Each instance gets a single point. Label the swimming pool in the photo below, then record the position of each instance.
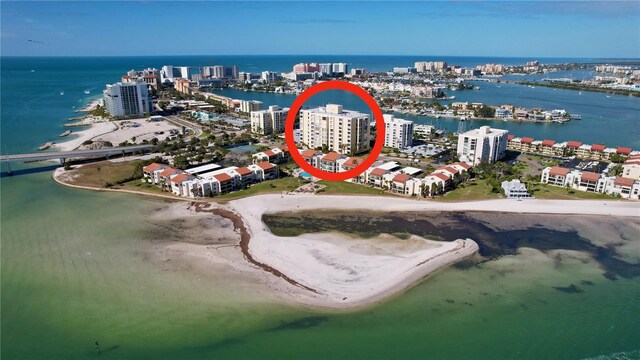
(305, 175)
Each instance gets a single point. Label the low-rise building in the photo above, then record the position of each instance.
(514, 189)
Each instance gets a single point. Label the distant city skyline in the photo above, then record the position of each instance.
(501, 29)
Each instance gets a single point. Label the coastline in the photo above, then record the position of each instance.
(336, 271)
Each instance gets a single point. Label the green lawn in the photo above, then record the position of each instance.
(343, 187)
(270, 186)
(472, 190)
(544, 191)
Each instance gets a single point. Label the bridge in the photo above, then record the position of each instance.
(75, 154)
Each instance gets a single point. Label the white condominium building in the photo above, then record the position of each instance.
(269, 121)
(247, 106)
(343, 131)
(127, 99)
(398, 132)
(482, 145)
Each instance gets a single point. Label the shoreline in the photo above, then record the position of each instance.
(334, 271)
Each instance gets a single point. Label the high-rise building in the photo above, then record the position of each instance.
(339, 69)
(269, 121)
(398, 132)
(483, 145)
(343, 131)
(268, 77)
(127, 99)
(247, 106)
(326, 69)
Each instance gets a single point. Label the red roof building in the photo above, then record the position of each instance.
(182, 177)
(169, 172)
(441, 176)
(269, 153)
(222, 177)
(624, 182)
(590, 176)
(623, 150)
(401, 178)
(244, 171)
(526, 140)
(559, 171)
(463, 165)
(573, 144)
(352, 162)
(548, 142)
(597, 147)
(265, 165)
(510, 137)
(309, 153)
(378, 172)
(332, 157)
(153, 167)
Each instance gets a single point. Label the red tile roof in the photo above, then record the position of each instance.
(623, 181)
(510, 137)
(182, 177)
(378, 172)
(153, 167)
(244, 171)
(222, 177)
(463, 164)
(332, 156)
(548, 142)
(284, 148)
(526, 140)
(309, 153)
(352, 162)
(441, 176)
(170, 171)
(450, 169)
(269, 153)
(623, 150)
(401, 178)
(573, 144)
(597, 147)
(265, 165)
(559, 171)
(590, 176)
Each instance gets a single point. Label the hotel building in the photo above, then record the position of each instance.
(247, 106)
(398, 132)
(339, 130)
(269, 121)
(127, 99)
(482, 145)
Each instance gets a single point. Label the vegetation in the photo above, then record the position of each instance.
(581, 87)
(99, 111)
(545, 191)
(478, 189)
(270, 186)
(343, 187)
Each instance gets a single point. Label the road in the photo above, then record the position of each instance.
(75, 154)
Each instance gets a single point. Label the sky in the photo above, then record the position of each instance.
(519, 29)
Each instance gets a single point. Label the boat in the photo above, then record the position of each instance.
(33, 70)
(575, 117)
(61, 92)
(87, 92)
(46, 146)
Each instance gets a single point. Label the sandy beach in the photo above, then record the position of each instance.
(116, 132)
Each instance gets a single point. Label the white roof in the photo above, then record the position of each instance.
(411, 170)
(389, 165)
(202, 168)
(217, 172)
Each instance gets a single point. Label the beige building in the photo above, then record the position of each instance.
(269, 121)
(339, 130)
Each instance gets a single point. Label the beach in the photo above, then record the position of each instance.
(331, 270)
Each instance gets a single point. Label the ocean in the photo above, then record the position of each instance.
(75, 268)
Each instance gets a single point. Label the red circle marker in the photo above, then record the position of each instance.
(334, 85)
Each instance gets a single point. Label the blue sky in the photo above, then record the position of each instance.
(540, 29)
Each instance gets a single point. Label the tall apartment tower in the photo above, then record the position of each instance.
(485, 144)
(269, 121)
(342, 131)
(127, 99)
(398, 132)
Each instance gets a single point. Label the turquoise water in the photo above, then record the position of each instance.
(76, 268)
(305, 175)
(603, 115)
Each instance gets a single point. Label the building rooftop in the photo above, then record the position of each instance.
(590, 176)
(182, 177)
(222, 177)
(559, 171)
(378, 172)
(153, 167)
(548, 142)
(265, 165)
(332, 156)
(623, 150)
(352, 162)
(389, 166)
(597, 147)
(573, 144)
(623, 181)
(401, 178)
(203, 168)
